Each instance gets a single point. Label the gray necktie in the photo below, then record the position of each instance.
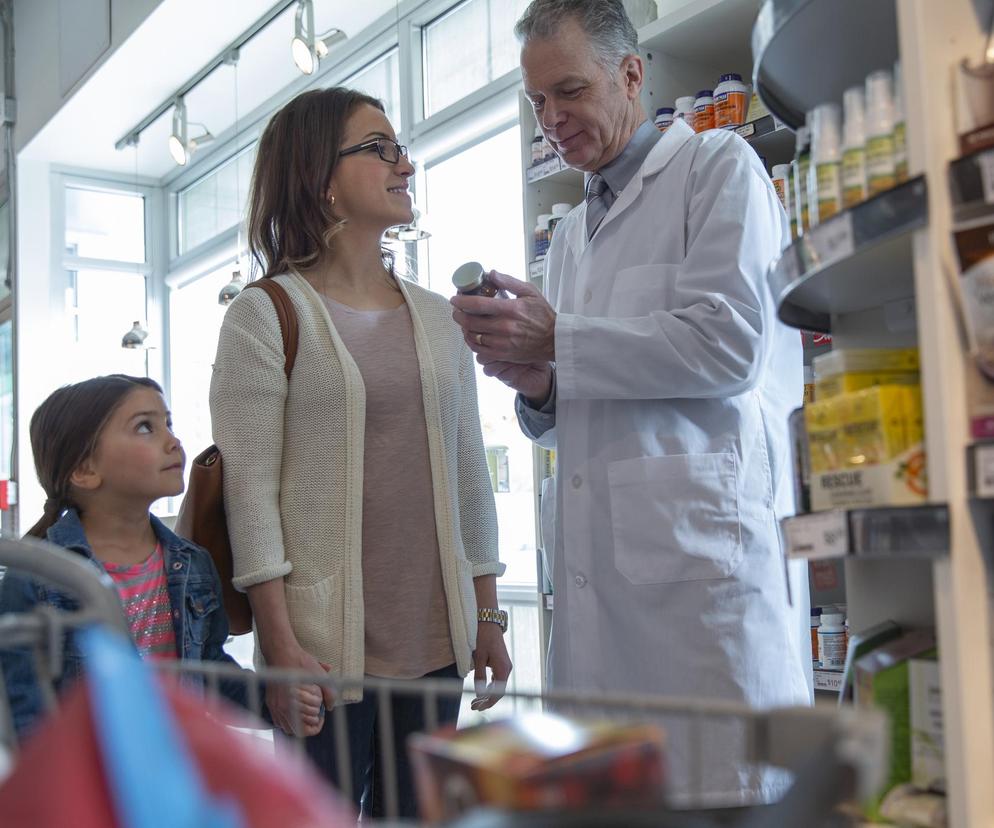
(599, 200)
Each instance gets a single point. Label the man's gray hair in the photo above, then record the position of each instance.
(605, 23)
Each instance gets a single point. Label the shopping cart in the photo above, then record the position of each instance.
(835, 754)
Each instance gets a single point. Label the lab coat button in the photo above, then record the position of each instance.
(577, 481)
(580, 581)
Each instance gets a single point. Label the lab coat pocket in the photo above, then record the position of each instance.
(639, 290)
(675, 518)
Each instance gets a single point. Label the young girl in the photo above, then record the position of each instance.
(104, 451)
(360, 509)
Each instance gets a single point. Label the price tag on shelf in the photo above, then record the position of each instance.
(828, 680)
(833, 240)
(983, 460)
(818, 535)
(986, 164)
(746, 130)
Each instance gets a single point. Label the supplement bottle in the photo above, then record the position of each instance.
(815, 624)
(731, 99)
(471, 279)
(542, 236)
(781, 174)
(853, 147)
(792, 198)
(538, 147)
(881, 169)
(685, 110)
(664, 118)
(900, 128)
(832, 641)
(825, 172)
(559, 212)
(802, 163)
(704, 111)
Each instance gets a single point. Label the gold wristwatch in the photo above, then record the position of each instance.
(493, 616)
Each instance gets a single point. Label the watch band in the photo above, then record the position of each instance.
(493, 616)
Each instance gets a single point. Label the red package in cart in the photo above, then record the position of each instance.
(59, 778)
(538, 762)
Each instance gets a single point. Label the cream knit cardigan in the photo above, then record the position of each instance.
(293, 467)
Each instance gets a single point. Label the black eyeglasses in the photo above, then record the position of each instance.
(389, 151)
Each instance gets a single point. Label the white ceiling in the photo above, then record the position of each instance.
(173, 44)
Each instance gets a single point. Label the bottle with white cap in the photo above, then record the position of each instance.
(832, 641)
(853, 147)
(900, 128)
(542, 235)
(825, 173)
(684, 110)
(559, 212)
(881, 170)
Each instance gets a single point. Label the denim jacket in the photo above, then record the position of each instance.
(199, 622)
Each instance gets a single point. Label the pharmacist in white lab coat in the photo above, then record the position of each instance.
(659, 372)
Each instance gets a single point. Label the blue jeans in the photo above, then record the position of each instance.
(361, 720)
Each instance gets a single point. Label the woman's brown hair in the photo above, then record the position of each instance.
(65, 430)
(291, 221)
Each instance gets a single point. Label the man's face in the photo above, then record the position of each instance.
(581, 106)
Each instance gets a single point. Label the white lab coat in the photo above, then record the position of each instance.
(675, 380)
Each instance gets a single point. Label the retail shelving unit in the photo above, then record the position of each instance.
(876, 276)
(879, 275)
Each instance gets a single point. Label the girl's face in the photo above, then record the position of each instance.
(369, 192)
(137, 455)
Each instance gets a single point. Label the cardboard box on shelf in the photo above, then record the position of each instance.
(538, 762)
(928, 759)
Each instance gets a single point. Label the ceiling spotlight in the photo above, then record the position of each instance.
(181, 147)
(414, 231)
(135, 338)
(306, 47)
(232, 289)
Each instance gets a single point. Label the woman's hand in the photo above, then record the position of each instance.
(490, 652)
(296, 709)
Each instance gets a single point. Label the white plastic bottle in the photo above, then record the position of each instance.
(781, 178)
(825, 172)
(881, 167)
(832, 641)
(704, 111)
(853, 147)
(542, 235)
(900, 128)
(731, 100)
(664, 118)
(802, 163)
(685, 110)
(559, 212)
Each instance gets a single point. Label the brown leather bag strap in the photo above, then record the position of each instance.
(287, 316)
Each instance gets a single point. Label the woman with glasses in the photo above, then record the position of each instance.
(358, 499)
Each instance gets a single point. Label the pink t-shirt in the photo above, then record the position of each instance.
(144, 592)
(406, 612)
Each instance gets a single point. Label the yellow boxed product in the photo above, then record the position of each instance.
(875, 424)
(844, 371)
(823, 423)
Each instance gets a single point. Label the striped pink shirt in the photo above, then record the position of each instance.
(144, 593)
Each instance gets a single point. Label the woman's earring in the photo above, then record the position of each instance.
(332, 200)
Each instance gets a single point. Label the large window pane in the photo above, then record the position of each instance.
(382, 80)
(216, 202)
(467, 48)
(102, 224)
(106, 305)
(195, 323)
(492, 166)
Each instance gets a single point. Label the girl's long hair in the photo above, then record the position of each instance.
(64, 434)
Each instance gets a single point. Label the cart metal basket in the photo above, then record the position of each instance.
(835, 754)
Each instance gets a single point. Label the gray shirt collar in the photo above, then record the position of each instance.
(622, 169)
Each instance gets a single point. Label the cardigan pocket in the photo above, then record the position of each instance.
(317, 615)
(467, 593)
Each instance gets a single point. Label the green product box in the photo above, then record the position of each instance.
(882, 681)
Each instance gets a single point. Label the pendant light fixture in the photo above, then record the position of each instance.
(135, 338)
(181, 147)
(413, 231)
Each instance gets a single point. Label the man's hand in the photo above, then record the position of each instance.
(533, 381)
(521, 331)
